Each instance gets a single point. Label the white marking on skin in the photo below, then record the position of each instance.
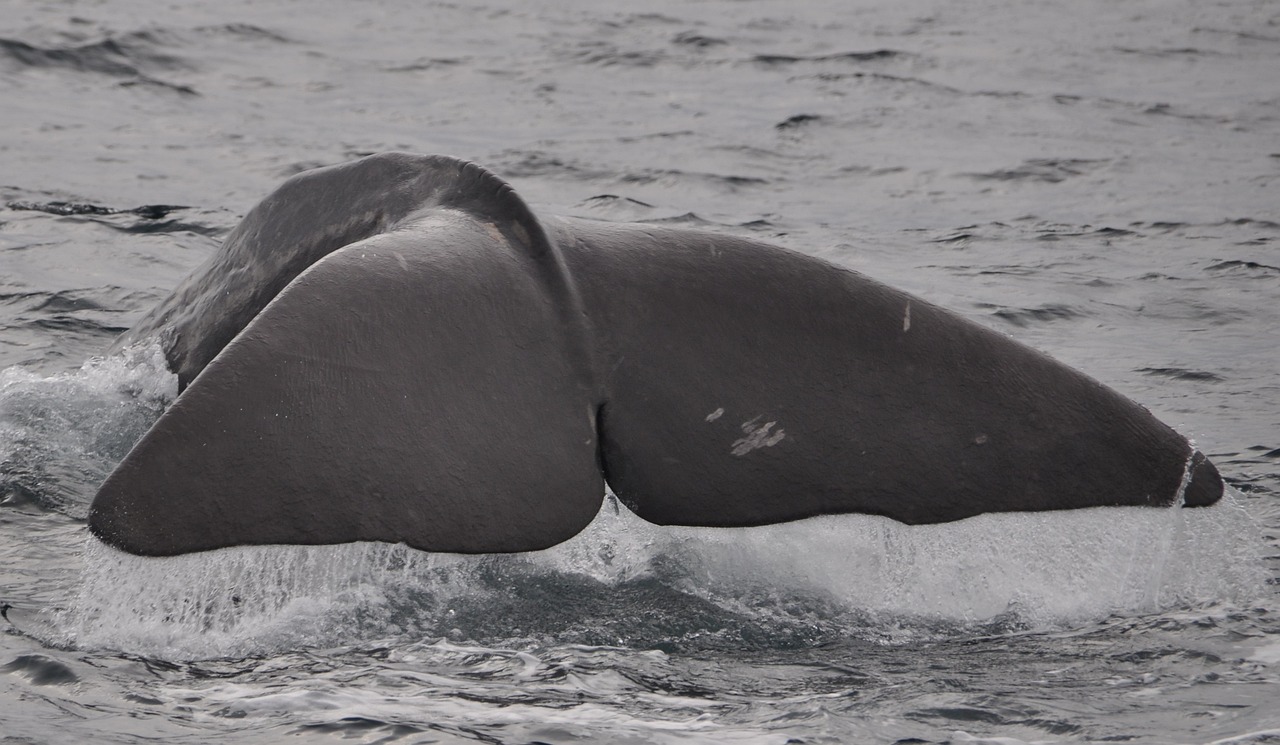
(522, 235)
(719, 412)
(757, 436)
(906, 319)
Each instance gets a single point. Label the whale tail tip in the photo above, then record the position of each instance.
(1205, 486)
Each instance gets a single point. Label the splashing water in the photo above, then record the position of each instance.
(621, 581)
(796, 583)
(61, 435)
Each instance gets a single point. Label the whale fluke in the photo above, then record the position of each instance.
(398, 349)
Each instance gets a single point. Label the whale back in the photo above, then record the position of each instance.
(311, 215)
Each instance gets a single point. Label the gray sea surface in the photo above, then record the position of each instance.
(1098, 179)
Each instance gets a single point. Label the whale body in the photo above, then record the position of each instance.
(397, 349)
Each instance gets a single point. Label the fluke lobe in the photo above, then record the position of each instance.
(397, 349)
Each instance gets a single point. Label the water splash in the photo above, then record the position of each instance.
(60, 435)
(621, 581)
(629, 582)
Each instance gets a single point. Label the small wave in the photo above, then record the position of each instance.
(1179, 373)
(697, 40)
(798, 120)
(244, 31)
(616, 207)
(607, 55)
(867, 56)
(1246, 268)
(150, 218)
(729, 182)
(146, 211)
(1026, 316)
(118, 57)
(41, 670)
(1044, 170)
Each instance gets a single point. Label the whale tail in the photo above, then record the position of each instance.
(396, 349)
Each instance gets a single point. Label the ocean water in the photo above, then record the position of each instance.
(1096, 179)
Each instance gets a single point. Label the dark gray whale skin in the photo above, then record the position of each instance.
(396, 349)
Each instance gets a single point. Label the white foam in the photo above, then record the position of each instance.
(61, 434)
(1049, 569)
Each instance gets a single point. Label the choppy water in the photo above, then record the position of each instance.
(1097, 179)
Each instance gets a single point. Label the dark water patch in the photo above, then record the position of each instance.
(1043, 170)
(65, 209)
(148, 227)
(697, 40)
(868, 56)
(524, 164)
(645, 613)
(616, 207)
(41, 670)
(143, 81)
(612, 199)
(658, 136)
(1178, 373)
(1054, 232)
(1165, 109)
(354, 727)
(89, 312)
(634, 20)
(728, 181)
(21, 298)
(873, 170)
(108, 301)
(1023, 317)
(244, 31)
(1168, 52)
(604, 54)
(1253, 222)
(18, 493)
(125, 57)
(426, 64)
(77, 325)
(831, 77)
(959, 714)
(1010, 270)
(1250, 268)
(1236, 34)
(148, 219)
(797, 121)
(64, 302)
(688, 218)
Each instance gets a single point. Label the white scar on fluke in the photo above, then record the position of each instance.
(757, 436)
